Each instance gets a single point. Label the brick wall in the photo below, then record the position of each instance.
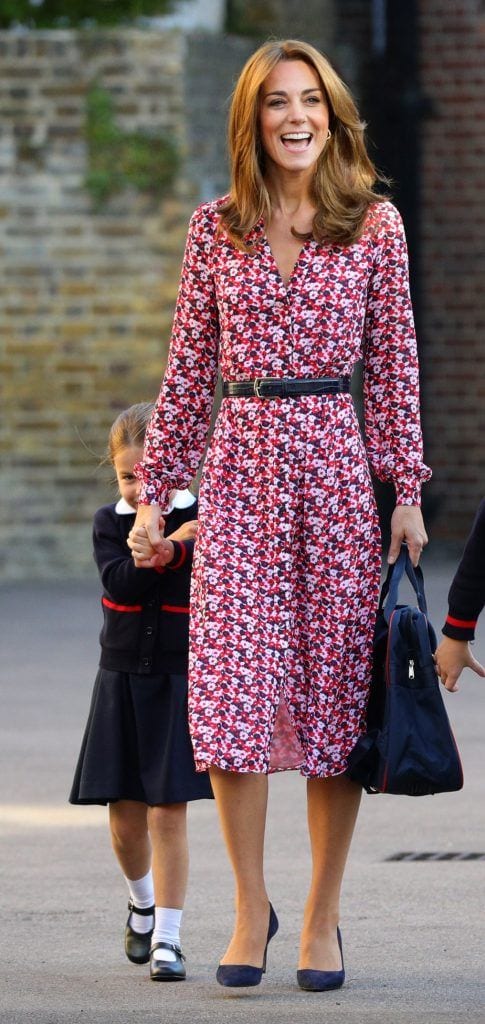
(86, 299)
(453, 257)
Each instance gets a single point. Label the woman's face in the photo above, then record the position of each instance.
(293, 116)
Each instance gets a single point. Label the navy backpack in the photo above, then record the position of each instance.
(409, 747)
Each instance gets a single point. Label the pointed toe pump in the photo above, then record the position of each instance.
(244, 975)
(322, 981)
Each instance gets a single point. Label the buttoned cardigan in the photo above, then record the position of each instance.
(145, 611)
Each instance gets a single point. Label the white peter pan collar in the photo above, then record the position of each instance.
(181, 499)
(122, 508)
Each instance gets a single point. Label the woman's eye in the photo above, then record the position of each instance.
(313, 99)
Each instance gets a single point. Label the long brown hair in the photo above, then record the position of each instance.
(344, 176)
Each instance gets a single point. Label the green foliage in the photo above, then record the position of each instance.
(59, 14)
(118, 159)
(250, 17)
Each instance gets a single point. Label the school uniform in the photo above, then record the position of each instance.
(136, 744)
(466, 597)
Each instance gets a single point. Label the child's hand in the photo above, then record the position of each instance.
(188, 531)
(140, 546)
(142, 550)
(451, 657)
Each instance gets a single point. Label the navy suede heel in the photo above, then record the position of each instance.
(322, 981)
(244, 975)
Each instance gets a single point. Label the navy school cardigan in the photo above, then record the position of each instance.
(146, 611)
(467, 592)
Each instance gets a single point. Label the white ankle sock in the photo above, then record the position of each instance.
(141, 892)
(167, 929)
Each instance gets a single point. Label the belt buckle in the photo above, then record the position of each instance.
(260, 381)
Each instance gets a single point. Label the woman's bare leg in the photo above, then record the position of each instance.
(241, 802)
(333, 804)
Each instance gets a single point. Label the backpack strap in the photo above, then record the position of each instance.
(390, 587)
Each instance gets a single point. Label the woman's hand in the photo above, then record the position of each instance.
(151, 518)
(451, 657)
(407, 527)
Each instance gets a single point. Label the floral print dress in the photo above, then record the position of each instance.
(287, 562)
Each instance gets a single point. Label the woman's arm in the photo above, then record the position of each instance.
(177, 432)
(391, 384)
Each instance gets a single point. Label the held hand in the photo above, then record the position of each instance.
(149, 517)
(407, 527)
(145, 555)
(451, 657)
(188, 531)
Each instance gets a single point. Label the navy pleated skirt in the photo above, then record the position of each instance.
(136, 745)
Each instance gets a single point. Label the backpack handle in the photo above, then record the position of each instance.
(390, 587)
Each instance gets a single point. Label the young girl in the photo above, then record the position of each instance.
(136, 753)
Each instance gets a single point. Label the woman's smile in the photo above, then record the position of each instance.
(294, 116)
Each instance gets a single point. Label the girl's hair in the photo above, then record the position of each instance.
(129, 428)
(344, 175)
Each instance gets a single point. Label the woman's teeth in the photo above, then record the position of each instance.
(301, 137)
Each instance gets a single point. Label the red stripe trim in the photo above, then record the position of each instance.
(122, 607)
(183, 556)
(181, 609)
(461, 623)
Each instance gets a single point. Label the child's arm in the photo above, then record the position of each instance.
(172, 553)
(124, 583)
(466, 600)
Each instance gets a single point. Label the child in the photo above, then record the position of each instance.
(466, 600)
(136, 753)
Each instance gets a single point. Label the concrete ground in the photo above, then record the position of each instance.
(413, 931)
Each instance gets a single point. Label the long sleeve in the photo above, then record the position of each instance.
(120, 578)
(178, 429)
(466, 598)
(391, 375)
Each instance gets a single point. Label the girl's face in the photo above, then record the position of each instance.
(128, 485)
(293, 116)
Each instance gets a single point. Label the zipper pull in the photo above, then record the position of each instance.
(411, 669)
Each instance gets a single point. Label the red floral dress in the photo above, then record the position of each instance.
(287, 562)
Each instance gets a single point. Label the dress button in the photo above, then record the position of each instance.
(146, 662)
(148, 630)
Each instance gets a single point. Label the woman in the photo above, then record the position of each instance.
(284, 283)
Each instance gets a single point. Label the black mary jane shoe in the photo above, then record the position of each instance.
(137, 944)
(167, 970)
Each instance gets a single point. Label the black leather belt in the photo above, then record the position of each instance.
(285, 387)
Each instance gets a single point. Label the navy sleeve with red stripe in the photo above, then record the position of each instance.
(124, 583)
(466, 598)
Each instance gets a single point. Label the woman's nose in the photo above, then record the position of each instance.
(297, 116)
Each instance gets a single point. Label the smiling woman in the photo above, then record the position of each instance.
(287, 282)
